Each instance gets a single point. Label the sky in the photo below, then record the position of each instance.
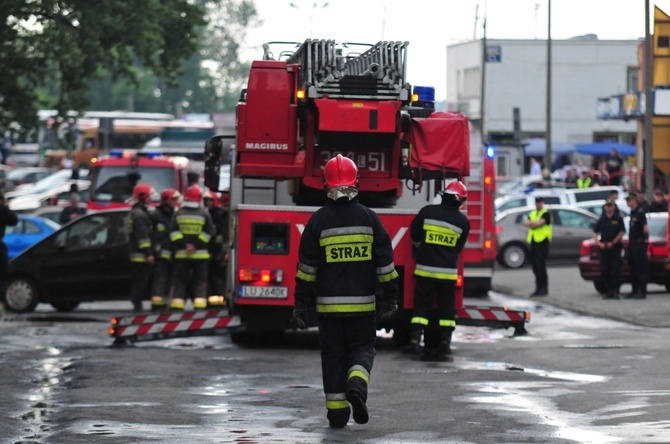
(430, 25)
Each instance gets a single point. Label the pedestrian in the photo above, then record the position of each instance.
(535, 167)
(216, 267)
(571, 178)
(7, 218)
(659, 205)
(539, 225)
(72, 211)
(161, 221)
(191, 230)
(345, 288)
(141, 251)
(614, 167)
(439, 233)
(638, 238)
(607, 234)
(585, 180)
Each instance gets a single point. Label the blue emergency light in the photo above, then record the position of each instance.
(116, 154)
(425, 94)
(490, 152)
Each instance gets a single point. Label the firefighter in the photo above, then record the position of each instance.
(190, 233)
(438, 233)
(161, 220)
(141, 252)
(345, 255)
(216, 269)
(638, 239)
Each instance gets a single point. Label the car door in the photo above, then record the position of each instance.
(14, 239)
(90, 260)
(570, 229)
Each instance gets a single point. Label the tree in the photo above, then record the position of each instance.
(53, 49)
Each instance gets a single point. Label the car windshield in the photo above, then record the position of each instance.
(658, 226)
(116, 183)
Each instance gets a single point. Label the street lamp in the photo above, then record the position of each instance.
(315, 6)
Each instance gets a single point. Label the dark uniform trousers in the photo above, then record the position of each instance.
(539, 251)
(443, 291)
(639, 265)
(193, 271)
(142, 272)
(610, 268)
(347, 355)
(163, 268)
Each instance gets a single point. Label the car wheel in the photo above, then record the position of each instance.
(513, 256)
(65, 306)
(21, 295)
(600, 287)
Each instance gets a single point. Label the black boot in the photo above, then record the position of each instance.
(414, 346)
(444, 349)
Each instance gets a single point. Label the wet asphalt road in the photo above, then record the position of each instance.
(572, 379)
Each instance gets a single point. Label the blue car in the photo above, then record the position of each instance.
(27, 232)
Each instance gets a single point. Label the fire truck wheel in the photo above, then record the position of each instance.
(600, 287)
(21, 295)
(513, 256)
(64, 307)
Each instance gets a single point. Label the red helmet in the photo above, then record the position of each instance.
(142, 192)
(193, 193)
(168, 194)
(458, 190)
(340, 171)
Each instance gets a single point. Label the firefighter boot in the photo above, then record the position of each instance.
(356, 395)
(199, 303)
(177, 304)
(157, 304)
(414, 346)
(444, 349)
(338, 418)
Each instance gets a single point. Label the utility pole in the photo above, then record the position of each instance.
(648, 151)
(547, 153)
(482, 95)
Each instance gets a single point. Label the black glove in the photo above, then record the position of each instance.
(300, 318)
(387, 310)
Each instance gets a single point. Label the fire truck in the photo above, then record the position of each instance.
(113, 177)
(296, 114)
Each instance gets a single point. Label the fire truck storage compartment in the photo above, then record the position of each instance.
(267, 123)
(269, 238)
(439, 144)
(358, 115)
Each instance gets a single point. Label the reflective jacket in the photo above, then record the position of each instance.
(161, 221)
(439, 233)
(345, 254)
(539, 234)
(139, 232)
(191, 224)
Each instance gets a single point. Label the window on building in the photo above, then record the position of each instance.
(471, 82)
(632, 78)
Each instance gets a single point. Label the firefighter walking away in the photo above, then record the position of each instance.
(161, 220)
(190, 234)
(345, 255)
(141, 253)
(439, 233)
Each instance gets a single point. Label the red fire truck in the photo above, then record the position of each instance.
(113, 177)
(298, 113)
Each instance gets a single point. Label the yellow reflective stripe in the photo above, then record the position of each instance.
(439, 229)
(181, 254)
(337, 405)
(359, 374)
(387, 269)
(440, 224)
(346, 239)
(146, 244)
(165, 254)
(419, 320)
(387, 277)
(305, 276)
(436, 275)
(345, 308)
(176, 235)
(191, 220)
(204, 237)
(447, 323)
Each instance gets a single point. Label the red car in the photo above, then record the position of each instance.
(589, 261)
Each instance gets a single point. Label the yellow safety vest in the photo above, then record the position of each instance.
(583, 183)
(540, 233)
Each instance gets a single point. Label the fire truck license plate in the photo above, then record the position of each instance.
(264, 292)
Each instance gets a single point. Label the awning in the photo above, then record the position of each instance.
(537, 147)
(604, 148)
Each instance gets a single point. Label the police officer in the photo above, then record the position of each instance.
(161, 220)
(539, 223)
(141, 252)
(345, 254)
(607, 234)
(638, 236)
(585, 180)
(439, 233)
(190, 233)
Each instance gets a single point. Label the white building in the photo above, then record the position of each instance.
(515, 76)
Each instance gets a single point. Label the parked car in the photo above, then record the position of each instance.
(86, 260)
(51, 212)
(570, 226)
(4, 172)
(29, 230)
(589, 261)
(24, 154)
(561, 196)
(46, 184)
(20, 176)
(31, 202)
(596, 207)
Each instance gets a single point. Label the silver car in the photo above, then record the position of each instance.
(570, 227)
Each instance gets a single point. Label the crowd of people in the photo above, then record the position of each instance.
(179, 249)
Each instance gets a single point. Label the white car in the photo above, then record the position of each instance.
(46, 184)
(31, 202)
(559, 196)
